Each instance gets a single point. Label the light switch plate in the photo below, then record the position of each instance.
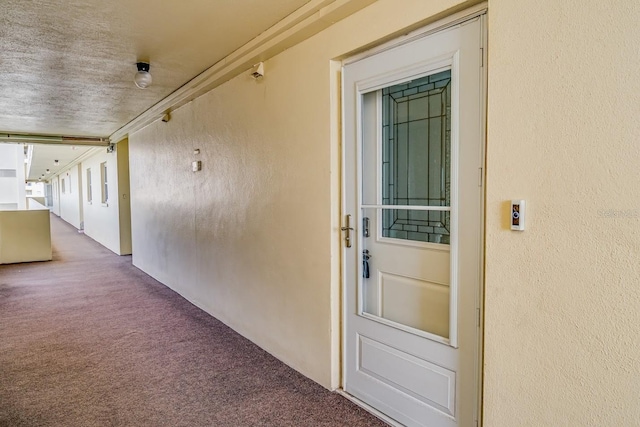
(196, 165)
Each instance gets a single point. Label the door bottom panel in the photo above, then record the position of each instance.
(426, 382)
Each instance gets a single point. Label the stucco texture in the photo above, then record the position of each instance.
(102, 221)
(257, 214)
(562, 342)
(254, 237)
(68, 207)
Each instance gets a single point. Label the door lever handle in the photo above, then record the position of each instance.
(347, 229)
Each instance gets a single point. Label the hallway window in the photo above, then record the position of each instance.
(104, 182)
(89, 192)
(63, 186)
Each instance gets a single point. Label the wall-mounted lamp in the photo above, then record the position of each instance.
(258, 70)
(142, 78)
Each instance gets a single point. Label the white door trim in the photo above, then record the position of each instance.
(450, 21)
(369, 408)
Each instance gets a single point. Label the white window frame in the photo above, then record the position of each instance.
(89, 191)
(104, 183)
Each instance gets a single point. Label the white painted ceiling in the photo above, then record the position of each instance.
(44, 157)
(67, 66)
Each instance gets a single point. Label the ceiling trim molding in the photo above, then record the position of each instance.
(302, 24)
(20, 138)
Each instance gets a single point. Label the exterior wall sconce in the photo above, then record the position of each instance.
(258, 70)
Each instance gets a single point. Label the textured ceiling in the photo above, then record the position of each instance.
(67, 66)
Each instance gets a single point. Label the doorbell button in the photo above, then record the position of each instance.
(517, 215)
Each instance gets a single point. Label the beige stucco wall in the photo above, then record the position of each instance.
(252, 238)
(55, 195)
(124, 196)
(563, 298)
(25, 236)
(69, 207)
(101, 220)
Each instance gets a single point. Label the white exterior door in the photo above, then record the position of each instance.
(413, 196)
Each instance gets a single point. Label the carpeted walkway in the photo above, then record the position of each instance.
(89, 340)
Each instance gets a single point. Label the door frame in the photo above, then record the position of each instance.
(452, 20)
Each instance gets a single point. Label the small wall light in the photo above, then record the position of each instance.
(142, 78)
(257, 70)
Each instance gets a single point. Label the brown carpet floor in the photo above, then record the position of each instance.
(89, 340)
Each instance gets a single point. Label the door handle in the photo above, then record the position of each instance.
(365, 263)
(347, 229)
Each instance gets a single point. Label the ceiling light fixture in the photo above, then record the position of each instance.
(142, 78)
(50, 139)
(56, 162)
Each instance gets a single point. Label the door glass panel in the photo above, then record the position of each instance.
(416, 157)
(406, 193)
(421, 226)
